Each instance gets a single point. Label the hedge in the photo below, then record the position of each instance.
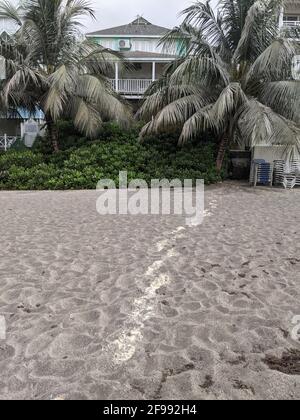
(80, 164)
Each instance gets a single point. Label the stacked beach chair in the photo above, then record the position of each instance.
(261, 173)
(287, 173)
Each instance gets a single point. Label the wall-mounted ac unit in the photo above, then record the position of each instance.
(124, 44)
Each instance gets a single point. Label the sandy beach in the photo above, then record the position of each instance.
(123, 307)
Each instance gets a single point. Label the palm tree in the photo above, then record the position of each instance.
(234, 76)
(50, 66)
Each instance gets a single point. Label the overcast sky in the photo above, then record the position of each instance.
(119, 12)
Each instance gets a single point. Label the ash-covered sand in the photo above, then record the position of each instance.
(123, 307)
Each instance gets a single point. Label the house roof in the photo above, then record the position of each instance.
(139, 27)
(22, 114)
(292, 6)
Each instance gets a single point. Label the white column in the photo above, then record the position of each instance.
(117, 76)
(2, 68)
(153, 71)
(281, 18)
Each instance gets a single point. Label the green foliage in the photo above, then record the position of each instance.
(19, 145)
(117, 150)
(25, 159)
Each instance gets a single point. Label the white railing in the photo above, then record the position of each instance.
(291, 24)
(131, 86)
(6, 142)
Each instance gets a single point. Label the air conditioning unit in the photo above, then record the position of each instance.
(124, 44)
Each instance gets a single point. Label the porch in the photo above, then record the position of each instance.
(130, 86)
(291, 14)
(133, 81)
(291, 23)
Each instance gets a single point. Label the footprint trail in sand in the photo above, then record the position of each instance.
(124, 347)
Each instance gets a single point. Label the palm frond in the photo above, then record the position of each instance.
(261, 28)
(98, 60)
(231, 98)
(215, 116)
(10, 11)
(61, 83)
(85, 116)
(110, 107)
(200, 122)
(292, 32)
(146, 131)
(186, 40)
(283, 97)
(203, 17)
(177, 40)
(205, 68)
(259, 124)
(234, 14)
(77, 9)
(177, 112)
(275, 63)
(166, 95)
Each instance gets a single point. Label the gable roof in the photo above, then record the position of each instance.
(139, 27)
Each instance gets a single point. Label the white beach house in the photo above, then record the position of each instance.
(139, 43)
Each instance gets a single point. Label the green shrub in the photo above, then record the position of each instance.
(116, 150)
(19, 145)
(24, 159)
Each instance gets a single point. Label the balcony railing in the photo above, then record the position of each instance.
(6, 142)
(291, 23)
(131, 86)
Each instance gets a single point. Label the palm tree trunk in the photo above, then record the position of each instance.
(53, 133)
(223, 145)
